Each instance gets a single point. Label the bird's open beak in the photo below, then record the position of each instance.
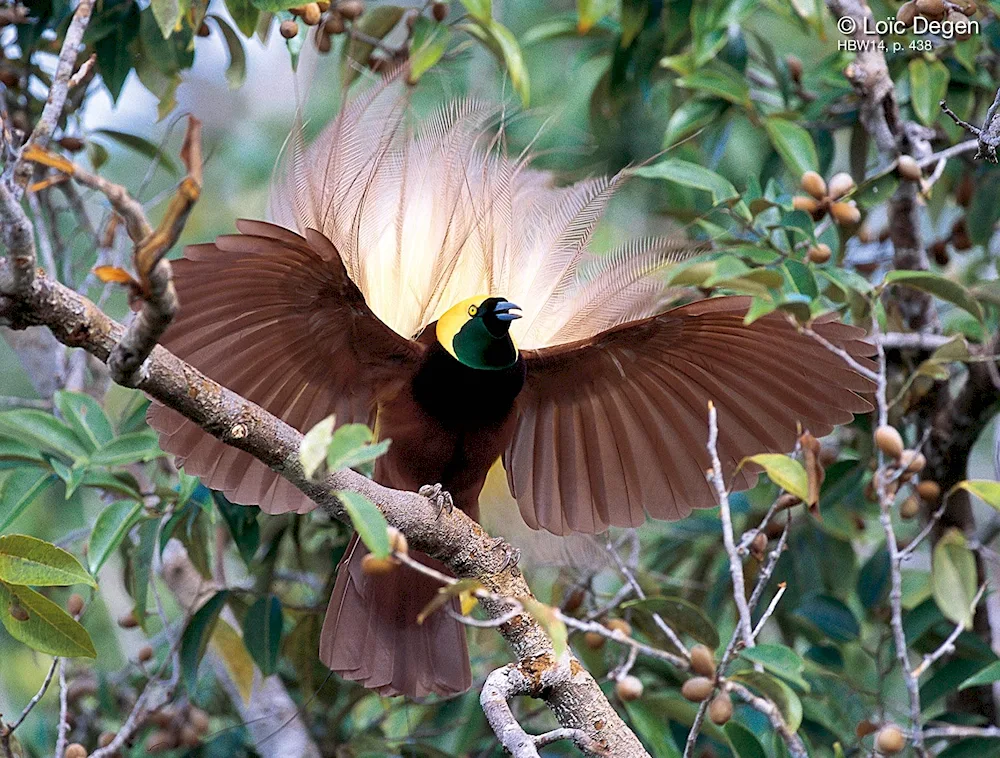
(504, 311)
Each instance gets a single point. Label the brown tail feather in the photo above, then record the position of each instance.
(371, 634)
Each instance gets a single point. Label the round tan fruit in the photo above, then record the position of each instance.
(914, 461)
(787, 500)
(720, 710)
(161, 741)
(909, 508)
(439, 11)
(890, 740)
(906, 13)
(930, 8)
(334, 24)
(76, 750)
(128, 621)
(619, 625)
(813, 183)
(74, 604)
(311, 14)
(889, 441)
(820, 253)
(802, 203)
(351, 9)
(323, 42)
(198, 719)
(288, 29)
(145, 653)
(840, 185)
(374, 566)
(594, 640)
(697, 688)
(106, 738)
(929, 490)
(18, 612)
(908, 168)
(702, 660)
(189, 737)
(71, 144)
(758, 546)
(628, 688)
(845, 213)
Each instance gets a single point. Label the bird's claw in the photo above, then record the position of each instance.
(439, 497)
(511, 554)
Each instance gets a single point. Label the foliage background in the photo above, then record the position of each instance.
(713, 83)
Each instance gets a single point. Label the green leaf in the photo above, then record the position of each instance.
(119, 482)
(928, 87)
(242, 523)
(236, 71)
(140, 561)
(939, 286)
(780, 660)
(719, 80)
(985, 490)
(681, 615)
(112, 525)
(830, 616)
(505, 47)
(85, 416)
(44, 430)
(546, 616)
(689, 118)
(987, 675)
(352, 446)
(589, 12)
(786, 472)
(368, 522)
(196, 636)
(953, 577)
(134, 447)
(690, 175)
(13, 450)
(227, 644)
(167, 14)
(777, 692)
(48, 628)
(743, 742)
(262, 633)
(648, 724)
(430, 40)
(794, 144)
(315, 444)
(19, 490)
(245, 15)
(114, 51)
(140, 145)
(481, 10)
(29, 560)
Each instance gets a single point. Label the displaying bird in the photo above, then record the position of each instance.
(419, 279)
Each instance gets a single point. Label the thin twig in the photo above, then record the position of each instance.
(37, 696)
(735, 563)
(948, 646)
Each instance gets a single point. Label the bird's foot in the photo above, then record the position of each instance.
(439, 497)
(511, 554)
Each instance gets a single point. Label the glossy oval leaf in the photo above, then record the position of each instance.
(680, 614)
(44, 430)
(262, 633)
(786, 472)
(954, 578)
(986, 490)
(780, 660)
(367, 521)
(777, 692)
(113, 523)
(236, 71)
(29, 560)
(85, 416)
(940, 287)
(135, 447)
(743, 742)
(987, 675)
(353, 446)
(430, 40)
(48, 628)
(19, 490)
(928, 87)
(15, 450)
(830, 616)
(315, 442)
(690, 175)
(197, 635)
(794, 144)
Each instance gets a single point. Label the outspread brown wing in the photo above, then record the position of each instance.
(275, 317)
(616, 426)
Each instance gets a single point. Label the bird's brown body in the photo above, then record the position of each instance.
(599, 420)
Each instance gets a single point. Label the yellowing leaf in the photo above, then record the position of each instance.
(228, 645)
(546, 616)
(953, 577)
(786, 472)
(461, 589)
(42, 625)
(29, 560)
(984, 489)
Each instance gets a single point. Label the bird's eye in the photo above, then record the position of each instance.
(473, 310)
